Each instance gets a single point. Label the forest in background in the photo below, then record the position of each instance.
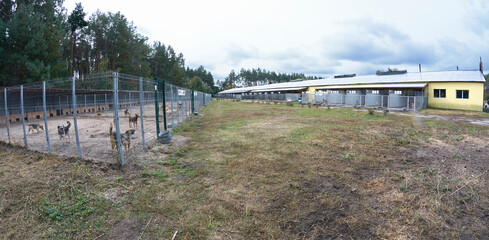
(41, 41)
(258, 77)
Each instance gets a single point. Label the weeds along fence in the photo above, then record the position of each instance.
(36, 115)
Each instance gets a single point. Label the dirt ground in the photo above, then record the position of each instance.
(93, 135)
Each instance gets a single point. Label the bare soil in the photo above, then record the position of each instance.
(93, 135)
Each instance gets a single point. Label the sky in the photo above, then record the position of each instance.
(315, 37)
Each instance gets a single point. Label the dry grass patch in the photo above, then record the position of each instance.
(263, 171)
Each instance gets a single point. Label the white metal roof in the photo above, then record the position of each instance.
(416, 77)
(375, 86)
(279, 89)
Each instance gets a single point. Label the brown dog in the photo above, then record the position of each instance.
(127, 113)
(133, 121)
(125, 139)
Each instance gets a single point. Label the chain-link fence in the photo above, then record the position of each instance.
(101, 116)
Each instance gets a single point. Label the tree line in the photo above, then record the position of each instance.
(39, 41)
(257, 77)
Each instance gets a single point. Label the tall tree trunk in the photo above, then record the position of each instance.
(97, 57)
(87, 58)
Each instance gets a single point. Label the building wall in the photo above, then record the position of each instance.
(474, 103)
(312, 89)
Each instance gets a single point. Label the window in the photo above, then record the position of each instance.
(463, 94)
(440, 93)
(335, 91)
(351, 91)
(398, 92)
(375, 91)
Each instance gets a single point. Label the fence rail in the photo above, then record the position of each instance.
(74, 116)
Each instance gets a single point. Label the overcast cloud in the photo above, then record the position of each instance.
(314, 37)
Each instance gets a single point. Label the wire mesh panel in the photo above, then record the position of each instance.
(88, 102)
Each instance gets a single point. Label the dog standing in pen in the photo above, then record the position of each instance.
(125, 139)
(64, 131)
(133, 121)
(127, 113)
(35, 126)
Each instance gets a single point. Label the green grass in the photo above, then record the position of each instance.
(244, 170)
(157, 173)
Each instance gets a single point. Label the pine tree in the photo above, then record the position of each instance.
(77, 22)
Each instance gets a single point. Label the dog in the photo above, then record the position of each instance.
(125, 139)
(61, 132)
(99, 113)
(35, 126)
(127, 113)
(66, 130)
(133, 120)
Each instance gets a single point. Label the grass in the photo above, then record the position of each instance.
(454, 113)
(155, 173)
(244, 170)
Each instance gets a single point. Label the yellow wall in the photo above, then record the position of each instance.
(312, 89)
(474, 103)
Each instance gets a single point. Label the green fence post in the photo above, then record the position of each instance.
(157, 112)
(193, 104)
(164, 103)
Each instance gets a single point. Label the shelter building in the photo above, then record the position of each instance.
(463, 90)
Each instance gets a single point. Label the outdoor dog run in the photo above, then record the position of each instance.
(75, 116)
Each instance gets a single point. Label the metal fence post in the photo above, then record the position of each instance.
(45, 115)
(192, 102)
(187, 110)
(187, 104)
(6, 114)
(157, 112)
(95, 103)
(106, 106)
(74, 118)
(164, 103)
(141, 99)
(203, 100)
(178, 111)
(22, 113)
(184, 106)
(116, 117)
(130, 101)
(171, 106)
(182, 100)
(85, 103)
